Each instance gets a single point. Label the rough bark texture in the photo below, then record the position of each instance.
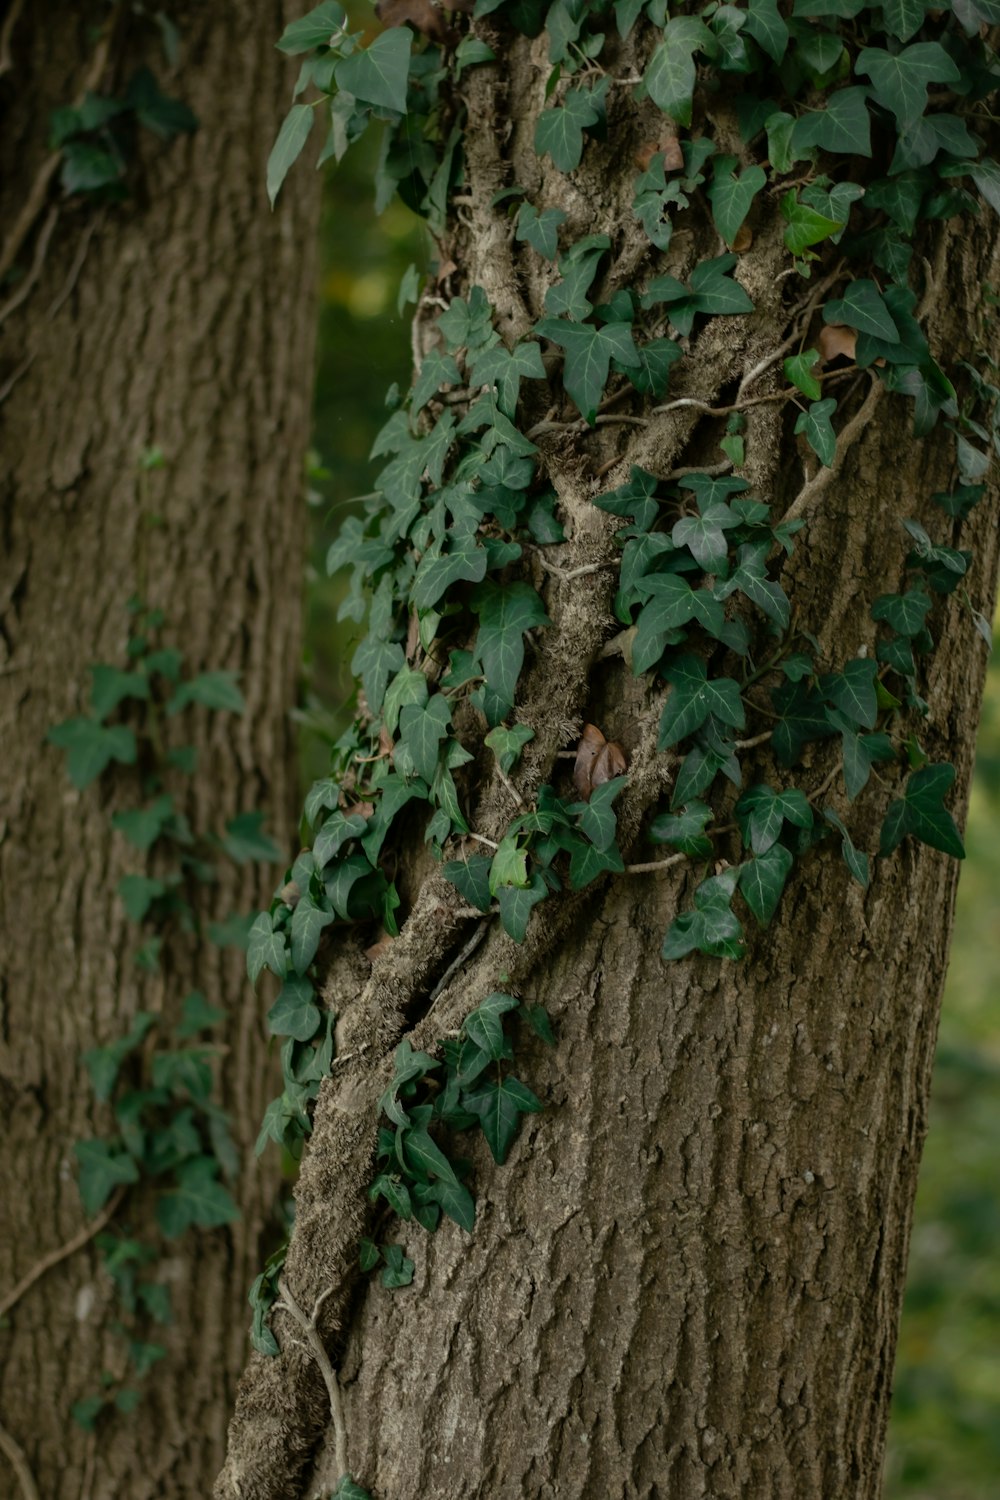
(182, 318)
(687, 1281)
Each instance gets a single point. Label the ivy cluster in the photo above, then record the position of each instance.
(159, 1079)
(95, 138)
(857, 125)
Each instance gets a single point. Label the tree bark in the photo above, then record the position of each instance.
(686, 1282)
(182, 318)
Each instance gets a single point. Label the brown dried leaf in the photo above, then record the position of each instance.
(380, 946)
(363, 809)
(743, 240)
(836, 341)
(420, 13)
(644, 154)
(673, 156)
(385, 742)
(611, 761)
(412, 636)
(591, 743)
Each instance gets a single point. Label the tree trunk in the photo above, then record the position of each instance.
(686, 1282)
(181, 318)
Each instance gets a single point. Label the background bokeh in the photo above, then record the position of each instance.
(945, 1429)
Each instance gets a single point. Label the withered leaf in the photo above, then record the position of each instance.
(589, 748)
(743, 240)
(383, 943)
(611, 761)
(836, 341)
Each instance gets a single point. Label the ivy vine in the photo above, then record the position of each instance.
(857, 125)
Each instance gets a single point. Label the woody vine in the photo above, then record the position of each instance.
(832, 132)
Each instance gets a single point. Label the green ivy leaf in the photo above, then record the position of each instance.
(685, 830)
(762, 881)
(465, 562)
(921, 812)
(695, 695)
(144, 825)
(589, 352)
(287, 148)
(900, 80)
(806, 226)
(515, 905)
(471, 877)
(245, 840)
(855, 860)
(266, 949)
(817, 428)
(587, 862)
(90, 748)
(904, 613)
(104, 1166)
(843, 127)
(422, 728)
(671, 74)
(798, 372)
(507, 744)
(559, 131)
(308, 921)
(316, 29)
(731, 196)
(540, 230)
(761, 813)
(802, 718)
(484, 1027)
(500, 1106)
(211, 690)
(903, 18)
(863, 307)
(347, 1489)
(713, 927)
(505, 612)
(768, 28)
(378, 75)
(295, 1012)
(853, 692)
(197, 1199)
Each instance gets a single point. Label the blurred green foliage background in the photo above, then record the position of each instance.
(945, 1432)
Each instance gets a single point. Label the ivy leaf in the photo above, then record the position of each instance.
(471, 878)
(110, 686)
(559, 131)
(484, 1027)
(597, 817)
(806, 226)
(540, 230)
(456, 1201)
(143, 825)
(515, 905)
(465, 562)
(102, 1169)
(507, 744)
(817, 428)
(375, 661)
(671, 74)
(295, 1012)
(903, 18)
(921, 812)
(761, 813)
(504, 370)
(855, 860)
(695, 695)
(378, 74)
(397, 1271)
(762, 881)
(287, 148)
(587, 862)
(798, 372)
(90, 748)
(986, 175)
(673, 603)
(685, 830)
(863, 307)
(652, 374)
(266, 949)
(589, 352)
(347, 1489)
(217, 690)
(768, 28)
(904, 613)
(308, 921)
(853, 692)
(500, 1106)
(802, 718)
(138, 892)
(505, 612)
(843, 126)
(730, 196)
(713, 927)
(245, 840)
(900, 80)
(198, 1199)
(425, 1156)
(336, 831)
(314, 30)
(422, 729)
(715, 291)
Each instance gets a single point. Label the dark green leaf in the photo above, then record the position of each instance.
(695, 695)
(505, 613)
(295, 1012)
(762, 881)
(287, 148)
(863, 307)
(378, 74)
(921, 812)
(499, 1106)
(90, 748)
(103, 1167)
(316, 29)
